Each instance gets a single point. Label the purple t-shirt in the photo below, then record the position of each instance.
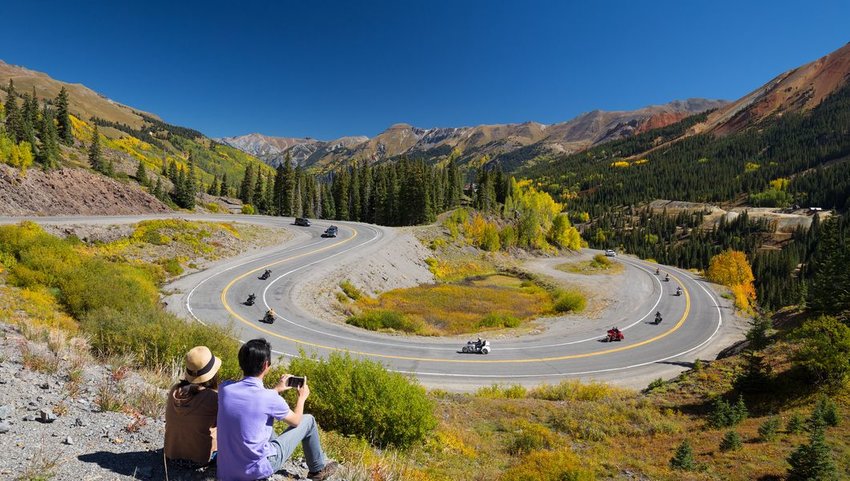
(246, 413)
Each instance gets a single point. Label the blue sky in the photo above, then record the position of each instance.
(326, 69)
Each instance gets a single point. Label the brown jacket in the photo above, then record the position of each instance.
(190, 431)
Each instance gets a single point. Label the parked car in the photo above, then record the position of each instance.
(330, 231)
(302, 221)
(610, 253)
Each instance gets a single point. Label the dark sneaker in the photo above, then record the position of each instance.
(326, 472)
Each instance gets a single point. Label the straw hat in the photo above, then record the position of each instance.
(201, 365)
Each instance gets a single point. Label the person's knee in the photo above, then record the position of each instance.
(308, 420)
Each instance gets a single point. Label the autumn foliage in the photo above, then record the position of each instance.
(732, 269)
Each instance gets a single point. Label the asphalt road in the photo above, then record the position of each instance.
(691, 321)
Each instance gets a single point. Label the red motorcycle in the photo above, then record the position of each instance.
(614, 335)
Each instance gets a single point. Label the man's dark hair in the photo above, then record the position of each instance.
(253, 356)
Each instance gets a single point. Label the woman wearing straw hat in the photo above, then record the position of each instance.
(190, 413)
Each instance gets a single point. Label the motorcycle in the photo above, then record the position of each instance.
(614, 335)
(666, 277)
(476, 347)
(657, 271)
(268, 318)
(678, 291)
(657, 318)
(265, 275)
(250, 300)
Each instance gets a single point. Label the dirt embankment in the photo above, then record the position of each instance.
(70, 191)
(397, 261)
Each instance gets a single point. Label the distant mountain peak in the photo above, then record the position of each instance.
(493, 140)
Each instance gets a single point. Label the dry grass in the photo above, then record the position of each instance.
(445, 309)
(598, 265)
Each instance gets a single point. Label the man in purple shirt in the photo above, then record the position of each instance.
(247, 447)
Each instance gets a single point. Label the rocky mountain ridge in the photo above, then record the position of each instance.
(471, 143)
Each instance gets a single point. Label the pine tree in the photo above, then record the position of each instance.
(328, 208)
(683, 459)
(190, 189)
(48, 153)
(223, 189)
(29, 118)
(813, 461)
(731, 441)
(246, 190)
(288, 190)
(13, 114)
(95, 160)
(141, 174)
(158, 190)
(355, 204)
(259, 191)
(213, 187)
(63, 118)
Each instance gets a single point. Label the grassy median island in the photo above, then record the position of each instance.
(598, 265)
(490, 301)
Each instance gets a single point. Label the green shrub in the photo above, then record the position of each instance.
(600, 262)
(171, 265)
(507, 237)
(683, 459)
(497, 391)
(655, 384)
(572, 390)
(248, 209)
(360, 397)
(499, 320)
(348, 288)
(824, 414)
(795, 424)
(731, 441)
(725, 415)
(824, 350)
(768, 429)
(381, 319)
(555, 465)
(570, 301)
(528, 437)
(813, 461)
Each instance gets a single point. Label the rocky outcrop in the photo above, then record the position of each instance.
(70, 191)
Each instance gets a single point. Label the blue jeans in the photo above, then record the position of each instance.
(306, 433)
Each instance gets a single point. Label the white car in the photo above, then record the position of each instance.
(610, 253)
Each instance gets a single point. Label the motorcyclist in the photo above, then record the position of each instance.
(658, 317)
(657, 271)
(251, 298)
(666, 277)
(270, 315)
(678, 291)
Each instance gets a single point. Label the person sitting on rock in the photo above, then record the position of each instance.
(191, 410)
(248, 448)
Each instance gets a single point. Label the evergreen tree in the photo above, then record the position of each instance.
(213, 188)
(173, 174)
(731, 441)
(246, 190)
(354, 202)
(190, 189)
(30, 120)
(63, 118)
(813, 461)
(259, 192)
(14, 120)
(288, 190)
(828, 292)
(48, 153)
(298, 195)
(95, 160)
(223, 189)
(683, 459)
(141, 174)
(328, 208)
(279, 190)
(158, 190)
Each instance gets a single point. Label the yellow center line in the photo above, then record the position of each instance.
(426, 359)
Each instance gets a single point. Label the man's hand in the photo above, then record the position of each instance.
(303, 391)
(281, 384)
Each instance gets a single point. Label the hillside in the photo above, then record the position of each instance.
(793, 131)
(128, 137)
(501, 142)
